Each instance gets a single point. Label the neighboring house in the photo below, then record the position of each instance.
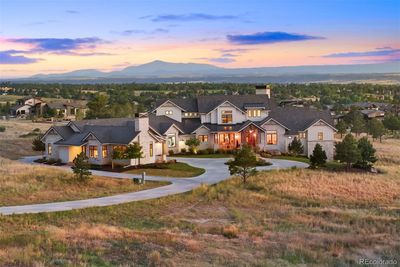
(68, 109)
(228, 121)
(27, 106)
(218, 121)
(98, 139)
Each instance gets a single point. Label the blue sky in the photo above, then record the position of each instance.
(48, 36)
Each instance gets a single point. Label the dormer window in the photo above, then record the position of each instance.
(168, 112)
(190, 114)
(226, 116)
(254, 113)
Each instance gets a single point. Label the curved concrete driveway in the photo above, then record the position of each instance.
(216, 171)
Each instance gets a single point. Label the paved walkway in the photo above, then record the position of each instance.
(216, 171)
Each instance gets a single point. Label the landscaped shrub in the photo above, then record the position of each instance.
(2, 128)
(171, 152)
(210, 150)
(262, 162)
(183, 150)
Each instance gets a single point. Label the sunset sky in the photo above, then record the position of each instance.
(64, 35)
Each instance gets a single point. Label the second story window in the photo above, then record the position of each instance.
(320, 136)
(168, 112)
(254, 113)
(302, 135)
(226, 116)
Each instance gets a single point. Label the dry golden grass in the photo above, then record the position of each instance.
(12, 146)
(281, 218)
(23, 184)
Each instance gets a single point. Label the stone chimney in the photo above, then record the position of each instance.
(142, 122)
(263, 90)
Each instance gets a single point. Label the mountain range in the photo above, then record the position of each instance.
(161, 71)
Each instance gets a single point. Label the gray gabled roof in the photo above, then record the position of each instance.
(162, 123)
(187, 104)
(205, 104)
(107, 131)
(298, 119)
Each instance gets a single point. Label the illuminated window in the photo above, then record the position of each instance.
(302, 135)
(272, 138)
(254, 113)
(151, 149)
(226, 116)
(49, 149)
(93, 153)
(171, 140)
(168, 112)
(83, 149)
(203, 138)
(320, 136)
(104, 151)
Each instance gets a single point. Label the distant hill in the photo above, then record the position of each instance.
(161, 71)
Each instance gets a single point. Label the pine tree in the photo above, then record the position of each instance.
(38, 145)
(81, 167)
(376, 129)
(347, 151)
(341, 126)
(367, 152)
(295, 147)
(244, 163)
(318, 157)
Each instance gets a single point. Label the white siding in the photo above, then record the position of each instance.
(176, 112)
(204, 131)
(328, 139)
(281, 142)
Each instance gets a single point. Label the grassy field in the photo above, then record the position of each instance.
(24, 184)
(13, 146)
(178, 169)
(280, 218)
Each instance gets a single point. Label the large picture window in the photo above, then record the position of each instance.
(171, 140)
(226, 116)
(272, 138)
(93, 153)
(203, 138)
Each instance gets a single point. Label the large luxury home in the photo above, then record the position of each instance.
(218, 121)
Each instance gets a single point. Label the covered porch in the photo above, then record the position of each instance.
(251, 135)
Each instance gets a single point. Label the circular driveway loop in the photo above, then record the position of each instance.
(216, 171)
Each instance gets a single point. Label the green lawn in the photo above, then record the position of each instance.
(301, 159)
(178, 169)
(203, 156)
